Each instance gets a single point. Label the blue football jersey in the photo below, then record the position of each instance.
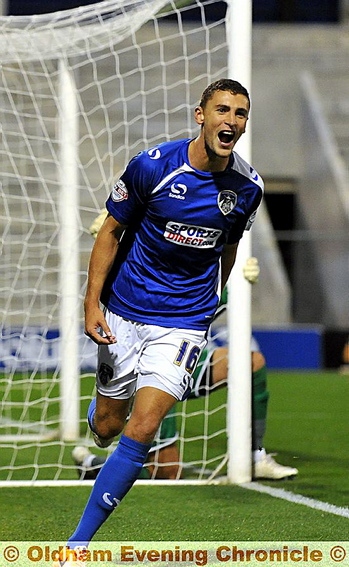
(167, 269)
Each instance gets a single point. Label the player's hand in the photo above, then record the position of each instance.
(96, 326)
(251, 270)
(97, 223)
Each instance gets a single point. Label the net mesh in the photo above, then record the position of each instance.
(138, 69)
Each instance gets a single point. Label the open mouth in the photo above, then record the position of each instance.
(226, 136)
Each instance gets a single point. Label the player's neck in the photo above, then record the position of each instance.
(200, 158)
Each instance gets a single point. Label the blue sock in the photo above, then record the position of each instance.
(114, 480)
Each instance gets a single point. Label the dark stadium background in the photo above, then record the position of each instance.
(264, 10)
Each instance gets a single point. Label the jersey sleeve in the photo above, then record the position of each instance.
(253, 189)
(130, 192)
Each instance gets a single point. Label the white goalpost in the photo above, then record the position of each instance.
(239, 407)
(69, 254)
(81, 92)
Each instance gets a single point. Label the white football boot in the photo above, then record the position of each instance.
(265, 467)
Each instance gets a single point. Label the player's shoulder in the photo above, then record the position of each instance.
(242, 167)
(148, 167)
(150, 158)
(166, 149)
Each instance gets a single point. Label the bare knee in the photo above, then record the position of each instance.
(143, 430)
(107, 425)
(149, 408)
(110, 417)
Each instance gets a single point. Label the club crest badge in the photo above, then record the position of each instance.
(227, 201)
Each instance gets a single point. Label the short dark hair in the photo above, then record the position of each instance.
(223, 85)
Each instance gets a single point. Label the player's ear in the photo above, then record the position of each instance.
(199, 115)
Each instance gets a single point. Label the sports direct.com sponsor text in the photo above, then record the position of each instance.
(161, 554)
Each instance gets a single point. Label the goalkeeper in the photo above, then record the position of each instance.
(211, 372)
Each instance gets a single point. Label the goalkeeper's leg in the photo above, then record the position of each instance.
(264, 466)
(212, 372)
(260, 397)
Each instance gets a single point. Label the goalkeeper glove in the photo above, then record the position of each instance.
(97, 223)
(251, 270)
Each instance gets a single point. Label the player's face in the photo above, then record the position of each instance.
(223, 122)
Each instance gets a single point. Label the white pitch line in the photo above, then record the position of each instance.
(297, 498)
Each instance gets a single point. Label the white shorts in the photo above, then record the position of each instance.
(147, 355)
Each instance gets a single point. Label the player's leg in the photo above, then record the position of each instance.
(106, 418)
(149, 408)
(171, 366)
(123, 466)
(116, 383)
(162, 463)
(162, 378)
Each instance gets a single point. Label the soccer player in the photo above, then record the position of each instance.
(158, 265)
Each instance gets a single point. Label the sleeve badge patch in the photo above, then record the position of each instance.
(119, 192)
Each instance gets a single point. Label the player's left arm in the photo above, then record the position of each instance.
(228, 261)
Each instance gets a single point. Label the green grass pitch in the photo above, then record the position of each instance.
(308, 427)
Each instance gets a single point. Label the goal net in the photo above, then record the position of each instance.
(81, 92)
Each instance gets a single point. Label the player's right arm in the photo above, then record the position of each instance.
(102, 258)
